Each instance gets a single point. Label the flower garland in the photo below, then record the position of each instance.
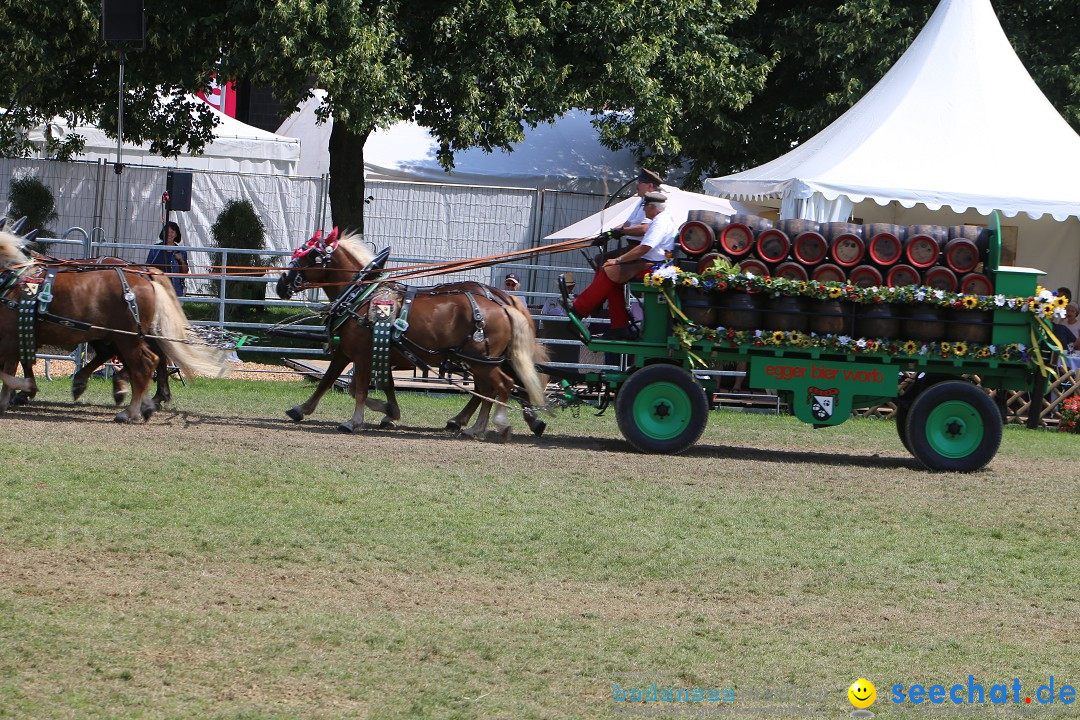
(689, 333)
(721, 277)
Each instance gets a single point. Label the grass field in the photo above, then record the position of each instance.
(220, 562)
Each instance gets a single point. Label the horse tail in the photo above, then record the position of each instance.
(540, 351)
(170, 325)
(523, 354)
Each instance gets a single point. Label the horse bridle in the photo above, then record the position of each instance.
(323, 250)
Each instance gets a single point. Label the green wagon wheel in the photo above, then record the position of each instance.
(661, 409)
(954, 426)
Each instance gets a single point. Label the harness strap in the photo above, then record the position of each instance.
(129, 296)
(401, 325)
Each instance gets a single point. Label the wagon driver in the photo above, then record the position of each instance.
(610, 279)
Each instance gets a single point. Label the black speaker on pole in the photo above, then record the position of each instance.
(178, 186)
(123, 22)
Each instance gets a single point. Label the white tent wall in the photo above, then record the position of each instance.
(1044, 244)
(237, 147)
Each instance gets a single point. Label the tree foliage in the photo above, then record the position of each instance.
(713, 87)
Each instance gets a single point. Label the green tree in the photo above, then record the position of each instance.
(239, 226)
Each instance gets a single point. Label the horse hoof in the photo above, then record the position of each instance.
(20, 398)
(452, 425)
(121, 417)
(539, 427)
(504, 435)
(119, 398)
(295, 414)
(346, 428)
(77, 389)
(388, 425)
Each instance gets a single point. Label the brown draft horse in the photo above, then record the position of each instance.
(103, 349)
(94, 303)
(441, 326)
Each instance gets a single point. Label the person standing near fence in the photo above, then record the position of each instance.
(169, 258)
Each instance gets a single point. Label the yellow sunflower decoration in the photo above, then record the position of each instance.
(970, 302)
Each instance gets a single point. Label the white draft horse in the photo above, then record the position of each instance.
(442, 325)
(93, 305)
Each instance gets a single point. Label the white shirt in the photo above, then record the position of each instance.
(660, 237)
(637, 217)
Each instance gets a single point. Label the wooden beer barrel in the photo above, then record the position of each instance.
(883, 243)
(738, 310)
(773, 245)
(865, 276)
(923, 322)
(832, 230)
(827, 272)
(827, 317)
(697, 305)
(753, 266)
(901, 275)
(921, 250)
(698, 233)
(785, 312)
(847, 250)
(962, 255)
(940, 278)
(976, 284)
(969, 326)
(790, 271)
(809, 248)
(796, 226)
(707, 261)
(737, 238)
(876, 321)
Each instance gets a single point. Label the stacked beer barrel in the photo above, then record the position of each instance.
(877, 254)
(872, 255)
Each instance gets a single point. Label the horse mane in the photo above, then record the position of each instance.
(354, 245)
(11, 250)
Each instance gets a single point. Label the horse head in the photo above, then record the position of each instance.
(316, 253)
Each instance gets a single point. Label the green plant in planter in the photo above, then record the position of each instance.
(33, 199)
(238, 226)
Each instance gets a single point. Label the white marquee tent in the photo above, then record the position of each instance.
(237, 147)
(679, 203)
(564, 155)
(955, 130)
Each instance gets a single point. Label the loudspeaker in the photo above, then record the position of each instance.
(178, 185)
(123, 21)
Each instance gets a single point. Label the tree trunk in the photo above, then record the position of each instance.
(347, 178)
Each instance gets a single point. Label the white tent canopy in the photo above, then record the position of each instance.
(957, 122)
(564, 155)
(237, 147)
(679, 203)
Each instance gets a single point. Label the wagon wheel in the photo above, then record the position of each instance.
(903, 409)
(661, 409)
(953, 426)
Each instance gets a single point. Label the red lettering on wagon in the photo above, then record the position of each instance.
(785, 372)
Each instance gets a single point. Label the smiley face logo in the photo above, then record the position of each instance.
(862, 693)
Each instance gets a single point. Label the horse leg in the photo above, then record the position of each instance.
(120, 385)
(163, 394)
(361, 381)
(462, 418)
(503, 386)
(482, 386)
(23, 397)
(337, 363)
(139, 361)
(82, 378)
(10, 382)
(391, 410)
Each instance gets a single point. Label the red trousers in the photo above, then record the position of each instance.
(600, 289)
